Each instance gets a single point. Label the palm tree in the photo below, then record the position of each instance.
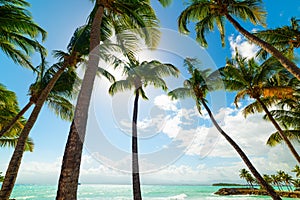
(135, 14)
(287, 179)
(65, 88)
(243, 175)
(139, 75)
(285, 38)
(253, 80)
(8, 108)
(197, 87)
(250, 180)
(68, 62)
(276, 181)
(296, 170)
(19, 32)
(267, 178)
(207, 13)
(296, 184)
(64, 105)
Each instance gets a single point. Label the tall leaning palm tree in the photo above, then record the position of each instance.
(69, 61)
(208, 13)
(249, 78)
(135, 14)
(139, 75)
(197, 87)
(14, 164)
(19, 32)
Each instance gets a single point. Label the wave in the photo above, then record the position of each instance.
(178, 197)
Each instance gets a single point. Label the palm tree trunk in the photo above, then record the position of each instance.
(278, 186)
(253, 170)
(14, 164)
(16, 118)
(286, 63)
(135, 162)
(282, 135)
(287, 186)
(68, 180)
(251, 185)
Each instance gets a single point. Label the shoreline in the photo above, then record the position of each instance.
(254, 191)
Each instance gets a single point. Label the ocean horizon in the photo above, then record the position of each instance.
(124, 192)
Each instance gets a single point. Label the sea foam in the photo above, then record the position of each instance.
(178, 197)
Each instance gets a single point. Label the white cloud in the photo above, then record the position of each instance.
(39, 172)
(248, 133)
(203, 174)
(215, 159)
(166, 117)
(172, 126)
(244, 48)
(147, 127)
(164, 102)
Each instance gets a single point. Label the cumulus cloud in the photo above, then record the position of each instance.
(251, 134)
(165, 116)
(164, 102)
(245, 48)
(196, 154)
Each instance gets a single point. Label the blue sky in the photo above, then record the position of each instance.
(199, 155)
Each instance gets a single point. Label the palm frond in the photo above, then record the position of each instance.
(279, 92)
(60, 55)
(203, 26)
(142, 93)
(106, 74)
(285, 38)
(12, 142)
(157, 82)
(141, 18)
(255, 107)
(194, 12)
(287, 118)
(240, 95)
(221, 27)
(156, 68)
(181, 93)
(249, 10)
(16, 55)
(22, 3)
(165, 3)
(252, 108)
(61, 107)
(120, 86)
(276, 139)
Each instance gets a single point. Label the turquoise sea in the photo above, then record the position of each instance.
(123, 192)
